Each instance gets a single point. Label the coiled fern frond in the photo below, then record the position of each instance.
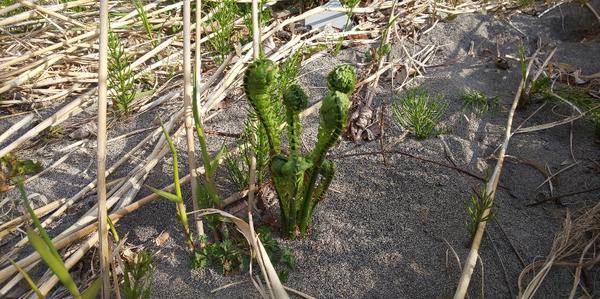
(295, 100)
(260, 80)
(342, 79)
(296, 177)
(334, 116)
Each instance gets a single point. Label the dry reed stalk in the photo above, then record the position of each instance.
(101, 151)
(372, 88)
(187, 103)
(61, 115)
(25, 121)
(491, 187)
(30, 14)
(52, 13)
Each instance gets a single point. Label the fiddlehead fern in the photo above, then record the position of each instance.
(327, 173)
(334, 115)
(342, 79)
(295, 176)
(295, 100)
(282, 187)
(260, 80)
(294, 171)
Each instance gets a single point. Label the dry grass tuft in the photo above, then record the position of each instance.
(576, 245)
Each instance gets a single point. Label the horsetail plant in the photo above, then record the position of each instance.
(222, 25)
(418, 113)
(300, 181)
(120, 75)
(476, 207)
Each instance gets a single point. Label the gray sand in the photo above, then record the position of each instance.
(382, 233)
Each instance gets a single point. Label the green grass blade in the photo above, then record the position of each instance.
(92, 291)
(113, 230)
(55, 264)
(200, 130)
(36, 220)
(215, 162)
(175, 162)
(166, 195)
(28, 279)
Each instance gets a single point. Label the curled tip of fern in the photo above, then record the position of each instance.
(342, 79)
(295, 99)
(260, 77)
(334, 110)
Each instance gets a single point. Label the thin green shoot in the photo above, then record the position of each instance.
(28, 279)
(177, 198)
(113, 230)
(476, 207)
(349, 5)
(384, 48)
(139, 7)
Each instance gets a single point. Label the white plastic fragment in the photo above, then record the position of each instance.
(335, 19)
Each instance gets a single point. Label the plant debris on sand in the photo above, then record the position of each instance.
(392, 224)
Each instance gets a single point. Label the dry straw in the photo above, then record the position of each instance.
(492, 184)
(574, 246)
(101, 151)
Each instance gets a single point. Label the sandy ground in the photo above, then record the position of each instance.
(386, 229)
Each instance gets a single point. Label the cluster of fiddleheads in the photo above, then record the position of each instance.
(300, 181)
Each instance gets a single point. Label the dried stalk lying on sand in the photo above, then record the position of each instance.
(576, 245)
(491, 187)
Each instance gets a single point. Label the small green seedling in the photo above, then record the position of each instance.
(227, 256)
(294, 175)
(139, 7)
(137, 276)
(41, 242)
(478, 102)
(12, 168)
(224, 254)
(476, 207)
(418, 113)
(120, 77)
